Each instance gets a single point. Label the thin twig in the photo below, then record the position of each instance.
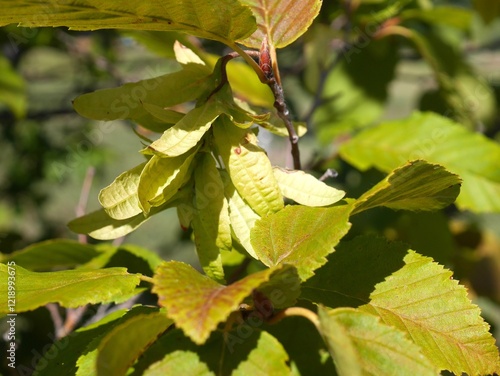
(57, 319)
(295, 311)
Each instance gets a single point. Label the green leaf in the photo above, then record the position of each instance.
(453, 16)
(75, 353)
(52, 254)
(422, 300)
(196, 302)
(132, 338)
(12, 88)
(187, 132)
(99, 225)
(281, 30)
(162, 178)
(267, 358)
(248, 166)
(241, 215)
(211, 223)
(438, 140)
(222, 20)
(344, 281)
(179, 363)
(163, 114)
(69, 288)
(300, 236)
(360, 345)
(417, 185)
(119, 199)
(283, 289)
(305, 189)
(127, 101)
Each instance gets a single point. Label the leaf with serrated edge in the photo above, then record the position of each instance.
(361, 344)
(300, 236)
(119, 199)
(282, 21)
(69, 288)
(196, 302)
(187, 132)
(305, 189)
(221, 20)
(161, 179)
(437, 140)
(417, 185)
(422, 300)
(248, 166)
(267, 358)
(211, 224)
(132, 337)
(179, 363)
(242, 217)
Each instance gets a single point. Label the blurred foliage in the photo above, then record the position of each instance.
(361, 62)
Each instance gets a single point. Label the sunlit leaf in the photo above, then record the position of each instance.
(196, 302)
(248, 166)
(300, 236)
(211, 224)
(187, 132)
(127, 101)
(132, 337)
(50, 254)
(438, 140)
(361, 344)
(163, 114)
(282, 21)
(267, 358)
(422, 300)
(161, 179)
(69, 288)
(305, 189)
(417, 185)
(119, 199)
(177, 363)
(242, 217)
(222, 20)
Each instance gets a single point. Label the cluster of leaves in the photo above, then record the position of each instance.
(376, 307)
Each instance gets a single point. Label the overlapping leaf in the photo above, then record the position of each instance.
(211, 223)
(119, 199)
(196, 302)
(178, 363)
(417, 185)
(132, 337)
(222, 20)
(69, 288)
(248, 166)
(301, 236)
(438, 140)
(282, 21)
(422, 300)
(162, 178)
(305, 189)
(360, 344)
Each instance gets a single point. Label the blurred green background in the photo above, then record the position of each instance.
(49, 154)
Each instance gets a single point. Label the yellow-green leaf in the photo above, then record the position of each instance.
(361, 344)
(119, 199)
(69, 288)
(282, 21)
(423, 300)
(305, 189)
(301, 236)
(179, 363)
(197, 303)
(222, 20)
(248, 166)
